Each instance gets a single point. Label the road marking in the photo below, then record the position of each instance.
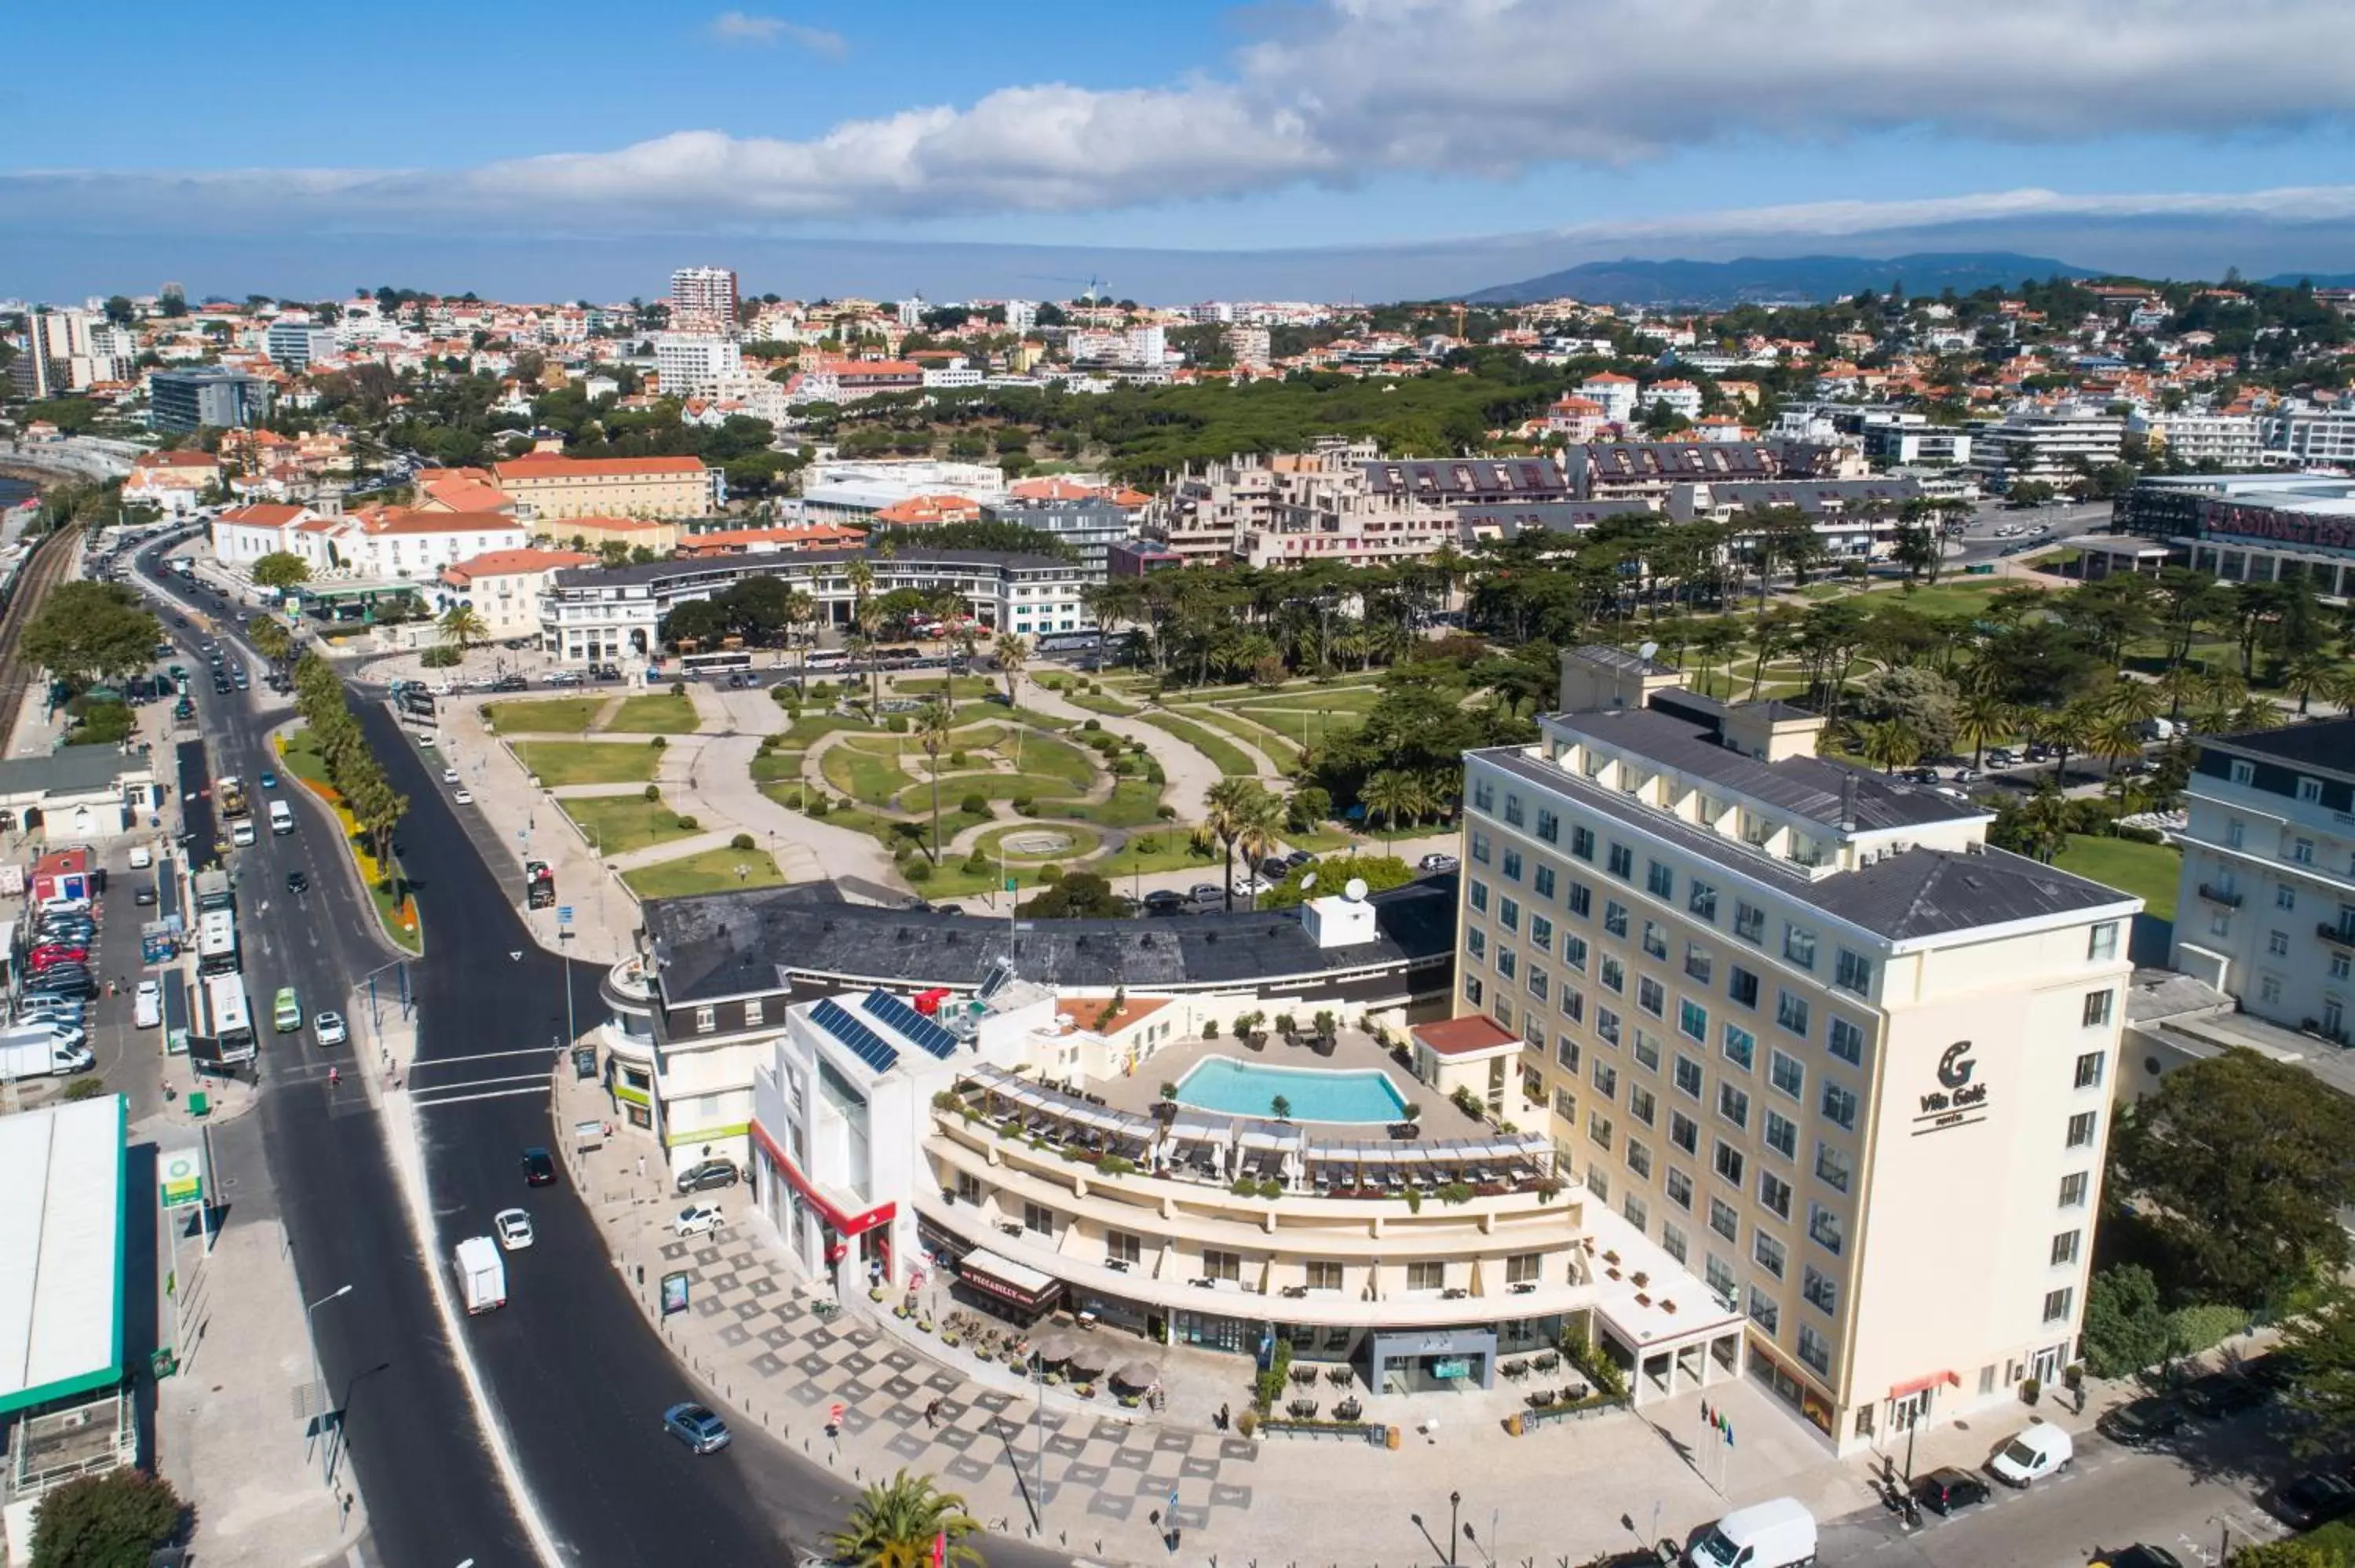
(483, 1083)
(486, 1095)
(551, 1052)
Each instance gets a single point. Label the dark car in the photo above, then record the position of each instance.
(1274, 868)
(1298, 858)
(1164, 901)
(510, 683)
(2138, 1556)
(1948, 1490)
(143, 893)
(298, 882)
(708, 1176)
(2311, 1499)
(538, 1167)
(2274, 1370)
(2144, 1420)
(2221, 1393)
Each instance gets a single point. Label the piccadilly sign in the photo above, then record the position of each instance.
(1957, 1101)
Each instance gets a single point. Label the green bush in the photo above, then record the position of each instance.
(1050, 873)
(2194, 1329)
(99, 1522)
(1092, 726)
(1166, 812)
(956, 759)
(741, 842)
(2142, 835)
(2125, 1328)
(678, 688)
(976, 864)
(659, 742)
(1210, 1029)
(689, 825)
(651, 793)
(1022, 805)
(818, 804)
(975, 805)
(1122, 766)
(897, 723)
(769, 741)
(919, 869)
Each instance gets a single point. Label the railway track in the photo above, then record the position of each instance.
(51, 559)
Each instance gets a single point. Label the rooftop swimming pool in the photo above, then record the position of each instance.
(1312, 1094)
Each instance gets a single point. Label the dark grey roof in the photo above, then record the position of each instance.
(1664, 462)
(69, 770)
(910, 557)
(1623, 660)
(1808, 787)
(1560, 516)
(1467, 479)
(1817, 496)
(2324, 745)
(1918, 893)
(732, 944)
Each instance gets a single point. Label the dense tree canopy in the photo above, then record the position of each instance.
(91, 630)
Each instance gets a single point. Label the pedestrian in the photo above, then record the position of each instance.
(1224, 1417)
(933, 1413)
(642, 1167)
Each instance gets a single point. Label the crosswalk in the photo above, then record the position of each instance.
(484, 1075)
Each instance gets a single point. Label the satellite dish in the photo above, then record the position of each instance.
(1356, 892)
(1647, 652)
(1309, 882)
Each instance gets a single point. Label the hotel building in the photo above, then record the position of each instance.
(1807, 1031)
(558, 487)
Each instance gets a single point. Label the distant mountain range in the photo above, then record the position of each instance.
(1779, 279)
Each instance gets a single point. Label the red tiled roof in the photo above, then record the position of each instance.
(1463, 1036)
(263, 514)
(509, 563)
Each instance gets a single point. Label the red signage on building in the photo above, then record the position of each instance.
(2232, 520)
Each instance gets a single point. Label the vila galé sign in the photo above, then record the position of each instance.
(2228, 519)
(1957, 1101)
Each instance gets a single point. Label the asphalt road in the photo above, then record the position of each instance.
(578, 1380)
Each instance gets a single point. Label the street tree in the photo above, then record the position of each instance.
(88, 632)
(113, 1520)
(280, 570)
(897, 1524)
(462, 628)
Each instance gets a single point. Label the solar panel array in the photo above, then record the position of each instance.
(860, 1041)
(924, 1031)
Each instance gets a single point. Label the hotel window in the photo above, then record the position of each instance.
(1216, 1265)
(1541, 882)
(1120, 1247)
(1720, 1275)
(1549, 826)
(2101, 942)
(1472, 991)
(1775, 1194)
(2269, 989)
(1699, 965)
(1508, 963)
(1484, 795)
(706, 1020)
(1659, 880)
(1606, 1078)
(1846, 1041)
(1781, 1135)
(1646, 1049)
(1799, 945)
(2285, 897)
(1687, 1077)
(1672, 1241)
(1741, 1047)
(1511, 867)
(1426, 1275)
(2310, 789)
(2075, 1188)
(1598, 1182)
(2235, 831)
(1724, 1220)
(1741, 986)
(2089, 1069)
(1598, 1129)
(1537, 982)
(1834, 1167)
(1581, 843)
(1540, 933)
(1573, 1004)
(1684, 1133)
(1523, 1267)
(1324, 1275)
(1692, 1018)
(1476, 943)
(1786, 1073)
(2081, 1129)
(1855, 974)
(1632, 1206)
(2064, 1247)
(1790, 1012)
(1839, 1105)
(1502, 1012)
(1729, 1164)
(1581, 900)
(1038, 1219)
(1768, 1253)
(1508, 914)
(2057, 1303)
(1622, 862)
(1612, 974)
(1824, 1228)
(1701, 899)
(1476, 895)
(1764, 1312)
(2302, 852)
(1734, 1104)
(2098, 1007)
(1639, 1159)
(1606, 1024)
(1573, 951)
(752, 1011)
(1749, 924)
(1651, 995)
(1565, 1106)
(1678, 1187)
(1614, 917)
(1655, 941)
(1820, 1292)
(1641, 1105)
(1479, 847)
(1512, 809)
(968, 1188)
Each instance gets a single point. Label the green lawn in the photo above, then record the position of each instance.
(553, 716)
(712, 871)
(1167, 848)
(587, 761)
(1084, 842)
(918, 797)
(620, 824)
(961, 688)
(1225, 754)
(655, 712)
(301, 757)
(1323, 839)
(769, 767)
(2148, 870)
(1313, 699)
(862, 775)
(1281, 749)
(1059, 759)
(1134, 804)
(1097, 703)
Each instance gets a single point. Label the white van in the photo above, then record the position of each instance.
(481, 1275)
(1776, 1534)
(142, 857)
(241, 833)
(281, 818)
(147, 1005)
(2038, 1450)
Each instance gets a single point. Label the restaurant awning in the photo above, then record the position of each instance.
(1008, 1281)
(1927, 1380)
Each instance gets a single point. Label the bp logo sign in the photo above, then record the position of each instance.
(1958, 1100)
(180, 1177)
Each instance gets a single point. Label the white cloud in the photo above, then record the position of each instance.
(741, 27)
(1341, 91)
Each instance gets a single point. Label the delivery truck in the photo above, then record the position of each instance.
(481, 1275)
(39, 1054)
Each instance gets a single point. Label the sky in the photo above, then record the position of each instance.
(1362, 146)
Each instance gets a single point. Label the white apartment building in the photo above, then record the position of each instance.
(504, 587)
(1807, 1031)
(2047, 445)
(696, 363)
(1615, 392)
(1021, 315)
(1678, 396)
(380, 543)
(1250, 345)
(704, 299)
(2266, 911)
(2197, 435)
(295, 342)
(2300, 436)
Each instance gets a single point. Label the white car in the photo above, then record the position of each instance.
(330, 1029)
(514, 1227)
(696, 1219)
(448, 776)
(463, 797)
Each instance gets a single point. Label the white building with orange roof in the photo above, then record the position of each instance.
(555, 486)
(769, 541)
(503, 587)
(1576, 418)
(1614, 392)
(657, 535)
(927, 511)
(243, 535)
(1680, 397)
(173, 481)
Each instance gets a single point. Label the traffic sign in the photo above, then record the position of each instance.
(564, 913)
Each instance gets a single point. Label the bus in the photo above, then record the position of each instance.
(1066, 642)
(818, 660)
(228, 1017)
(216, 942)
(414, 702)
(714, 663)
(214, 892)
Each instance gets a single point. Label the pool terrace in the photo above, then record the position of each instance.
(1351, 1049)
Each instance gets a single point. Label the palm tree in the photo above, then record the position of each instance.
(2044, 823)
(1260, 824)
(1980, 722)
(933, 733)
(1389, 795)
(1237, 807)
(860, 576)
(801, 610)
(2306, 675)
(1012, 651)
(2179, 684)
(1891, 744)
(463, 627)
(2114, 738)
(896, 1523)
(2066, 731)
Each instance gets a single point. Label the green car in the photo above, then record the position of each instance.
(285, 1011)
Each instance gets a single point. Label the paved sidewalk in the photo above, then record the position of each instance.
(1189, 773)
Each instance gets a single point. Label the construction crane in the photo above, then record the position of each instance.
(1097, 290)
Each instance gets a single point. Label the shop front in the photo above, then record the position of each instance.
(1427, 1361)
(821, 1235)
(1006, 1288)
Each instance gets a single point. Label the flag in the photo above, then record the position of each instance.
(1727, 1428)
(941, 1550)
(1706, 1418)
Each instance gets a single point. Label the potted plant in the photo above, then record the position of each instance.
(2030, 1390)
(1611, 1256)
(1641, 1278)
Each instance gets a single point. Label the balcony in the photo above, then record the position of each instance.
(2223, 896)
(2342, 934)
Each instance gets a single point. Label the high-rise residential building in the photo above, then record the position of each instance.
(297, 341)
(697, 363)
(2266, 908)
(910, 312)
(1807, 1031)
(703, 299)
(61, 355)
(2051, 445)
(184, 401)
(1021, 315)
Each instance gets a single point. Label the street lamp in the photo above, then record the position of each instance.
(318, 1377)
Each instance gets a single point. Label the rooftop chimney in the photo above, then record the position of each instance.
(1848, 800)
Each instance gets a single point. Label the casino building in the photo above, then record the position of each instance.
(2250, 527)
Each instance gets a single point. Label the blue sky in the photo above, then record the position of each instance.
(1710, 127)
